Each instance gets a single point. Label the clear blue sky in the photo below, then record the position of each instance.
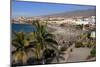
(37, 9)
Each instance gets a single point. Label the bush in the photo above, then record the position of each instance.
(64, 48)
(90, 44)
(79, 26)
(62, 24)
(84, 44)
(79, 44)
(93, 52)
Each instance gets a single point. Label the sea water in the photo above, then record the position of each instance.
(23, 28)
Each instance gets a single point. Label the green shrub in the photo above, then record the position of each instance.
(84, 44)
(93, 43)
(93, 52)
(79, 26)
(90, 44)
(79, 44)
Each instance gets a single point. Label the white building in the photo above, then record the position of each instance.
(81, 22)
(85, 20)
(93, 34)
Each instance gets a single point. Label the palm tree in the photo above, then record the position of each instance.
(21, 44)
(44, 39)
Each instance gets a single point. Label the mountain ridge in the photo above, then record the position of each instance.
(77, 13)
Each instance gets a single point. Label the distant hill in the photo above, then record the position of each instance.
(78, 13)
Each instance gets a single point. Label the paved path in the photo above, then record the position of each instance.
(79, 54)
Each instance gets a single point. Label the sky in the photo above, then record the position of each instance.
(29, 9)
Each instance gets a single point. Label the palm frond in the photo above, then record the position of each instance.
(61, 57)
(49, 40)
(48, 35)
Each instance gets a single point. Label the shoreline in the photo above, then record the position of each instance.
(21, 23)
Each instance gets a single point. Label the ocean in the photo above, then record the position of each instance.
(23, 28)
